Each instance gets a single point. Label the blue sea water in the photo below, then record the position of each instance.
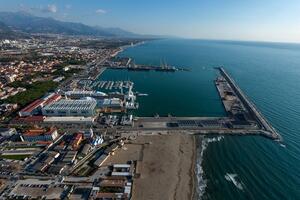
(247, 167)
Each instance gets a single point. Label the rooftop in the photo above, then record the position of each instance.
(36, 132)
(52, 98)
(112, 101)
(85, 104)
(33, 105)
(85, 92)
(68, 119)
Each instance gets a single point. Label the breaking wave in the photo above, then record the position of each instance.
(201, 181)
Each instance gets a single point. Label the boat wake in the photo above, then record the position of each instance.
(233, 178)
(283, 145)
(201, 181)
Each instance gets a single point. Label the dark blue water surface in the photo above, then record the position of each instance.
(269, 73)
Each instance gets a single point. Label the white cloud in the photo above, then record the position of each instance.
(101, 11)
(51, 8)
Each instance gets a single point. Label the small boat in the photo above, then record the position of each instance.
(141, 94)
(232, 178)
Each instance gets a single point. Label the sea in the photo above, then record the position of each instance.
(231, 167)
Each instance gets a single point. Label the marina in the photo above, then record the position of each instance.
(105, 85)
(113, 84)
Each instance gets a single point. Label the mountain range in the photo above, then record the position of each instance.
(7, 33)
(14, 23)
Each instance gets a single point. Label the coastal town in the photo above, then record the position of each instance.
(40, 159)
(66, 134)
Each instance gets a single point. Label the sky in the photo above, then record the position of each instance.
(256, 20)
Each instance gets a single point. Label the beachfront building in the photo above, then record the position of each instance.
(67, 107)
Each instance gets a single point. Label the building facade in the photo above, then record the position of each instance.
(36, 135)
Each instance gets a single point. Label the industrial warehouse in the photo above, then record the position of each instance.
(67, 107)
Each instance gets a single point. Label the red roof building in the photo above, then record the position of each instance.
(29, 110)
(52, 98)
(39, 103)
(29, 120)
(35, 135)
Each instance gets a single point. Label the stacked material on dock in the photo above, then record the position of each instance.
(249, 107)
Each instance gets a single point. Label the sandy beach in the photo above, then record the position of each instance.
(165, 166)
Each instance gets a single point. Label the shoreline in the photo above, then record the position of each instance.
(199, 149)
(123, 48)
(165, 166)
(193, 170)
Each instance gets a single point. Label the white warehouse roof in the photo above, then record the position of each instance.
(113, 101)
(85, 93)
(121, 166)
(86, 104)
(68, 119)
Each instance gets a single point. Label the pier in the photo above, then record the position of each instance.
(251, 108)
(129, 64)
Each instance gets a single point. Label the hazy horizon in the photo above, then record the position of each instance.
(249, 20)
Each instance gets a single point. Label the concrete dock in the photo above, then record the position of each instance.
(251, 108)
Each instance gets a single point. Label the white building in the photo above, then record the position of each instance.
(10, 78)
(78, 94)
(111, 103)
(67, 107)
(69, 120)
(98, 140)
(127, 120)
(7, 132)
